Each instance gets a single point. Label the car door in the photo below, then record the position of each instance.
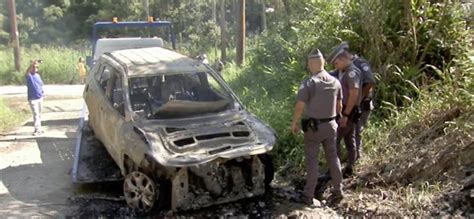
(95, 97)
(112, 113)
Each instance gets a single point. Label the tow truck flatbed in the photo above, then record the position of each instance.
(92, 162)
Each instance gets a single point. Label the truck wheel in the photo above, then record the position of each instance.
(140, 191)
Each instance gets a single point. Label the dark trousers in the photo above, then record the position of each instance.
(360, 127)
(348, 133)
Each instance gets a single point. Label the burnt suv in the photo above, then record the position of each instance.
(176, 130)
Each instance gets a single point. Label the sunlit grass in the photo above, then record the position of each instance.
(58, 67)
(10, 116)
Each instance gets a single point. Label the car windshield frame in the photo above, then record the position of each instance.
(169, 109)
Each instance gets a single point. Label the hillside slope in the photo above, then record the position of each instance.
(425, 168)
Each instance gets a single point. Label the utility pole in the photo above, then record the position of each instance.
(223, 32)
(241, 33)
(14, 33)
(146, 6)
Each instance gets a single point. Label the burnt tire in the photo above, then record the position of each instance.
(267, 162)
(140, 191)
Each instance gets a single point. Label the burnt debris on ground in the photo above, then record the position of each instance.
(276, 203)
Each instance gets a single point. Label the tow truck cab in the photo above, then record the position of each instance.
(101, 45)
(113, 44)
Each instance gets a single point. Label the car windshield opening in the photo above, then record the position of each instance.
(168, 96)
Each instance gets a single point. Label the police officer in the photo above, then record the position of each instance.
(320, 97)
(350, 77)
(366, 104)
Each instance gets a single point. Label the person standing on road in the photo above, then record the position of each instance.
(81, 69)
(349, 76)
(34, 85)
(366, 104)
(319, 97)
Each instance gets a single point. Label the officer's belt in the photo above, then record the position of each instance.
(312, 123)
(324, 120)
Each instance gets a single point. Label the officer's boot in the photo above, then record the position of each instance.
(347, 172)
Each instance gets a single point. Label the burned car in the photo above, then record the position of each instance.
(176, 130)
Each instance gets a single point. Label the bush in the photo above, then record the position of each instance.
(411, 44)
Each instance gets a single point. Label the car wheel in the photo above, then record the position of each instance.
(267, 161)
(140, 191)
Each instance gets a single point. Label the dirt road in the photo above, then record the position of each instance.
(35, 171)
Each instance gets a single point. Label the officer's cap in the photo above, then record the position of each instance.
(315, 54)
(337, 51)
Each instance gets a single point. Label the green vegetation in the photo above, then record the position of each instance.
(10, 116)
(276, 65)
(420, 52)
(59, 65)
(69, 22)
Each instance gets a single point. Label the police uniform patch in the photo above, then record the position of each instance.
(352, 74)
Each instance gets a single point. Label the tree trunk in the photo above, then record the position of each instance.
(286, 4)
(235, 7)
(223, 32)
(263, 16)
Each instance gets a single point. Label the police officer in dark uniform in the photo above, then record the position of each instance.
(366, 104)
(320, 97)
(350, 77)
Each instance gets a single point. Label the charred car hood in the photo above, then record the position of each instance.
(192, 141)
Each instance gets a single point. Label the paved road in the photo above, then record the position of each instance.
(50, 90)
(35, 171)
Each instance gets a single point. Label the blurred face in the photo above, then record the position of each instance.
(341, 63)
(315, 65)
(35, 66)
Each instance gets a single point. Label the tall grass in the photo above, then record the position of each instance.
(269, 94)
(58, 67)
